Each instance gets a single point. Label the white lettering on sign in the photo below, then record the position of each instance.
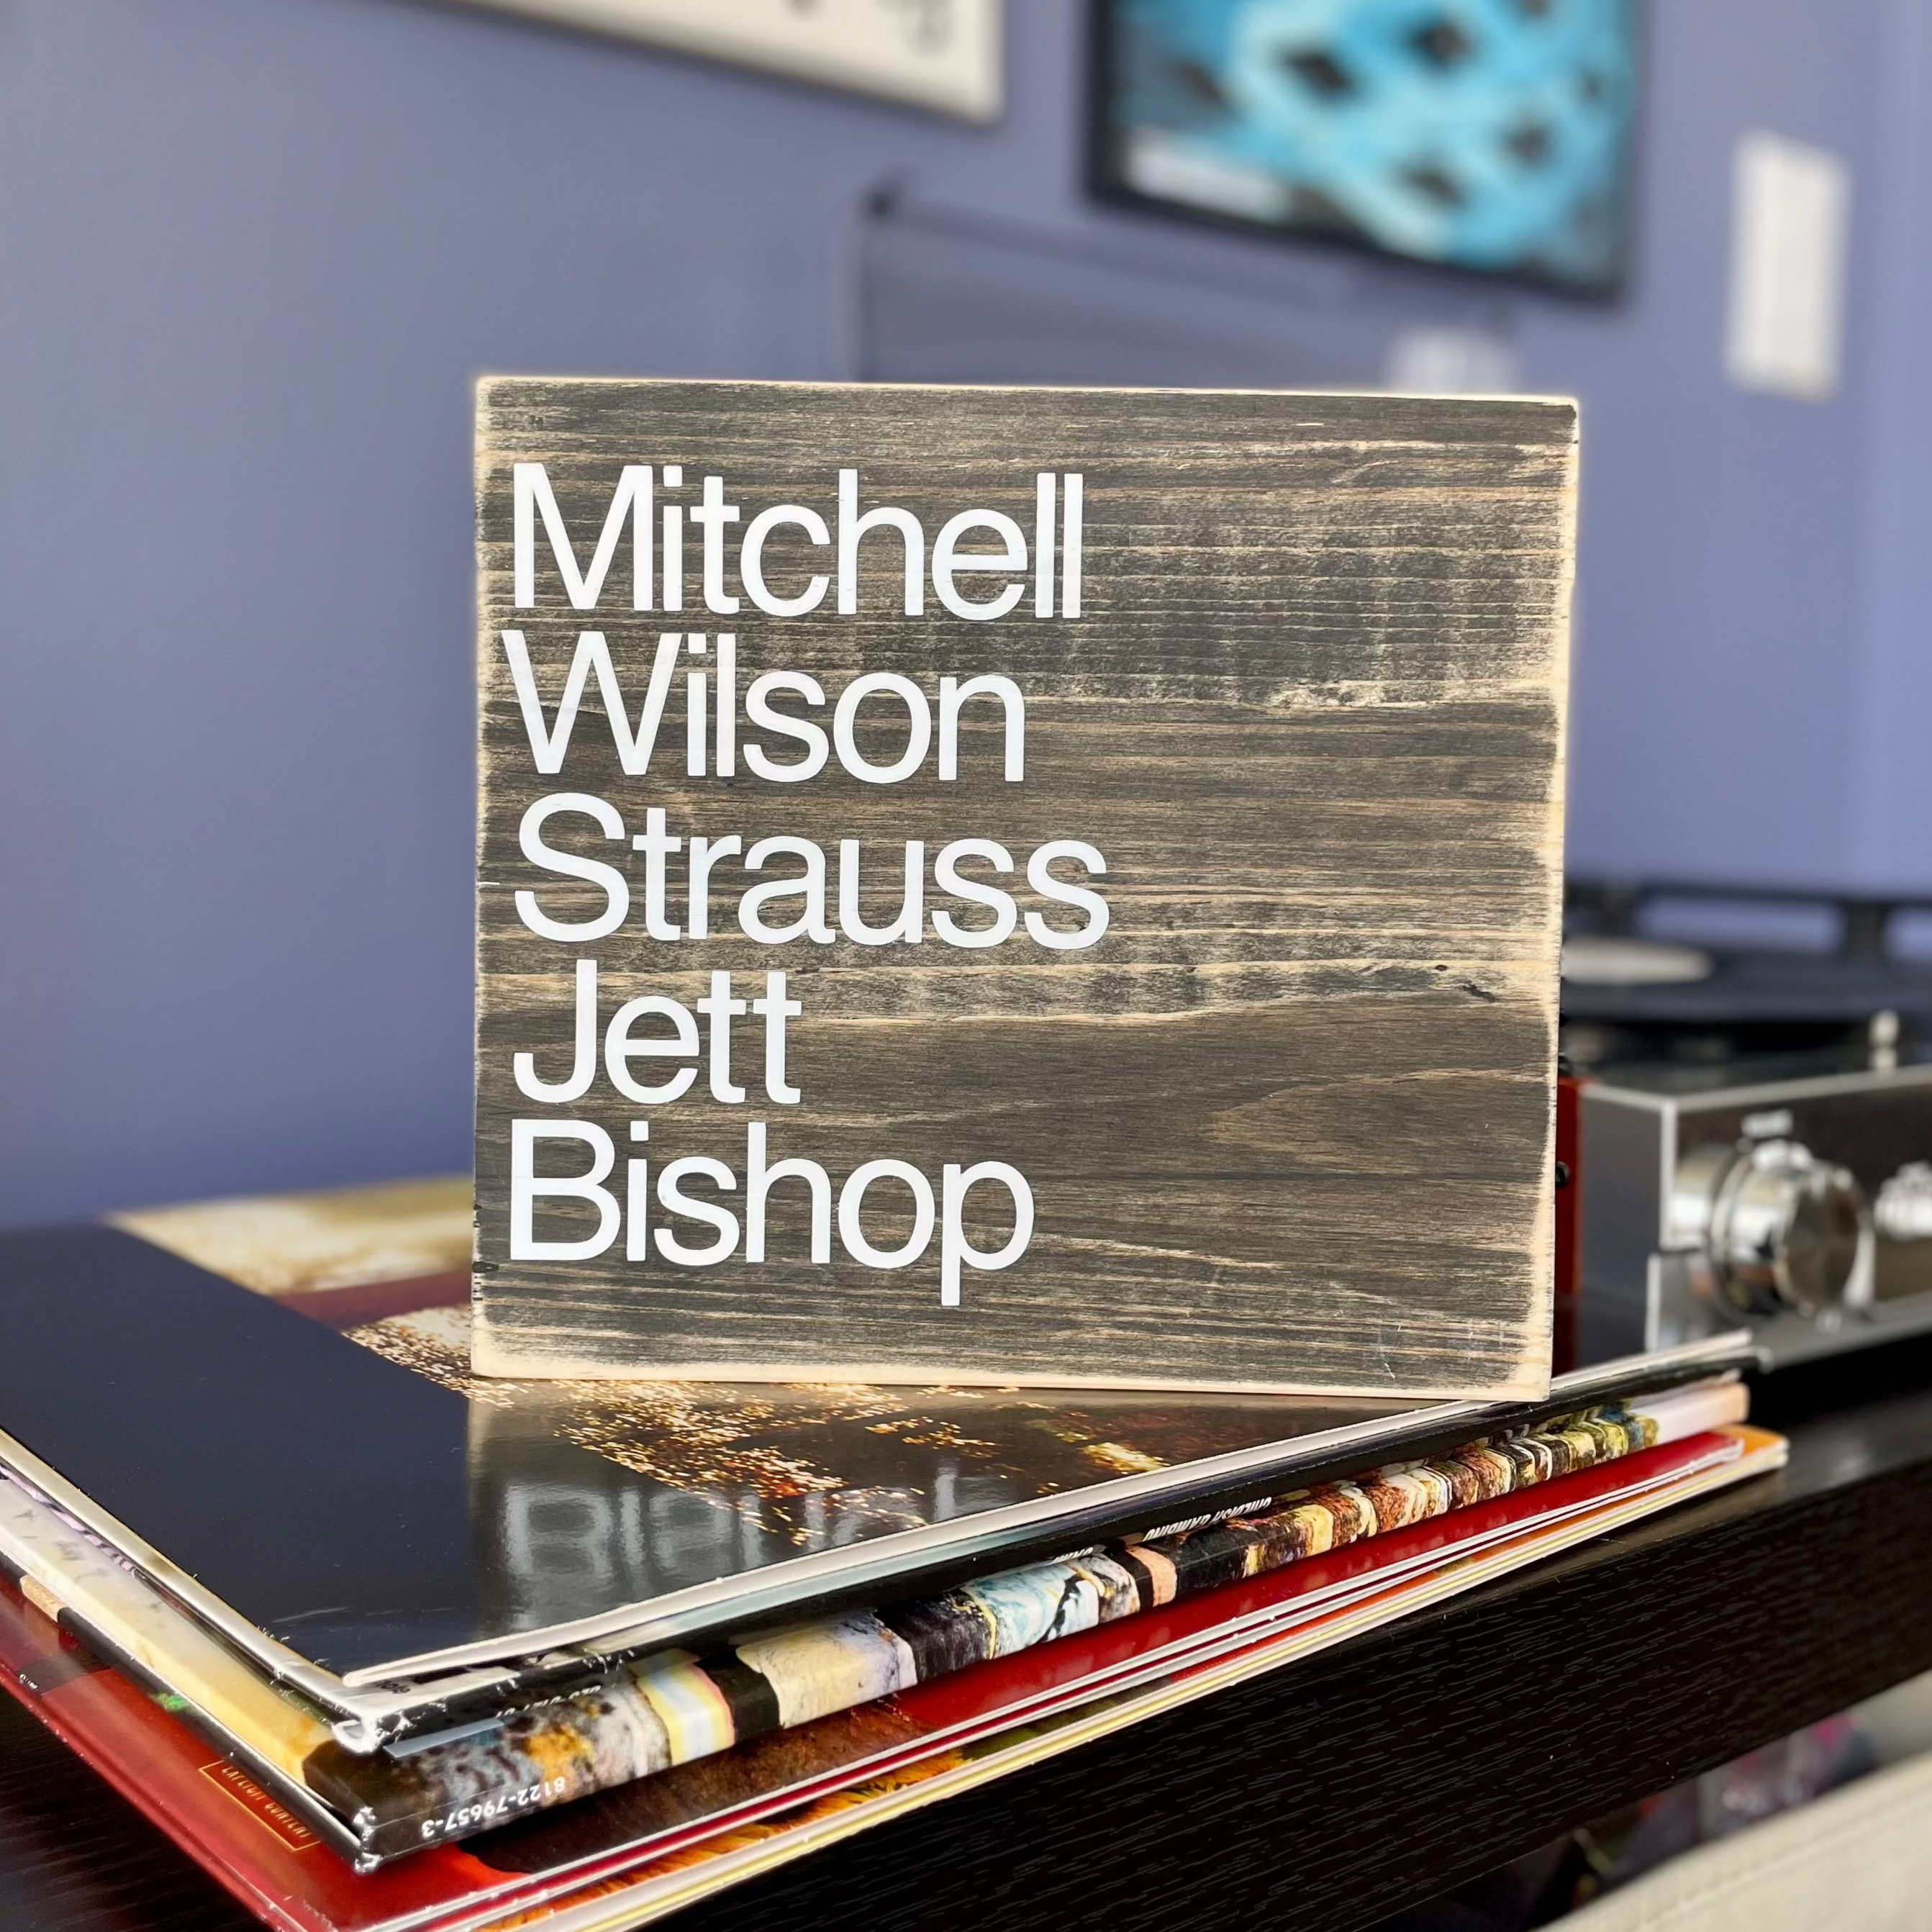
(659, 565)
(940, 1211)
(661, 545)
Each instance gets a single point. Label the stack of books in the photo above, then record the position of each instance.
(384, 1644)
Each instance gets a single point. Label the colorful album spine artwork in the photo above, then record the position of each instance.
(647, 1718)
(675, 1707)
(655, 1844)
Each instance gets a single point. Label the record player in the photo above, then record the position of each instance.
(1753, 1132)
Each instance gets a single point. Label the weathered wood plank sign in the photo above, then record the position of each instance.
(1019, 885)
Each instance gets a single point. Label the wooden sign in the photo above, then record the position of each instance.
(943, 55)
(1019, 885)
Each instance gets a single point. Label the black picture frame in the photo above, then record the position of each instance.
(1107, 183)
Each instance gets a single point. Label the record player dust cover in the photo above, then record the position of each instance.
(1019, 886)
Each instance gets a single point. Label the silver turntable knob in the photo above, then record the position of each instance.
(1781, 1230)
(1904, 1209)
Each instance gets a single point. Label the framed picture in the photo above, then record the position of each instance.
(943, 55)
(1493, 137)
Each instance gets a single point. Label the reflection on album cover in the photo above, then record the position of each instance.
(562, 1539)
(694, 1481)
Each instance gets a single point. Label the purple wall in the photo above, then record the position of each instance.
(257, 249)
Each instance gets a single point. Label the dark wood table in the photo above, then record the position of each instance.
(1334, 1792)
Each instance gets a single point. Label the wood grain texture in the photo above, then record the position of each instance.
(1287, 1125)
(75, 1856)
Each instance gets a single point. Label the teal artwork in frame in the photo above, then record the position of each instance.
(1490, 135)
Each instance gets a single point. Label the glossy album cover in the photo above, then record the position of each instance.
(200, 1801)
(644, 1718)
(346, 1519)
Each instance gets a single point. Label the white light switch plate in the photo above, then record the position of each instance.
(1790, 216)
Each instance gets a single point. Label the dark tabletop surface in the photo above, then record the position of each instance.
(1335, 1791)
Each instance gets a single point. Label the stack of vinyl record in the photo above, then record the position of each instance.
(477, 1653)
